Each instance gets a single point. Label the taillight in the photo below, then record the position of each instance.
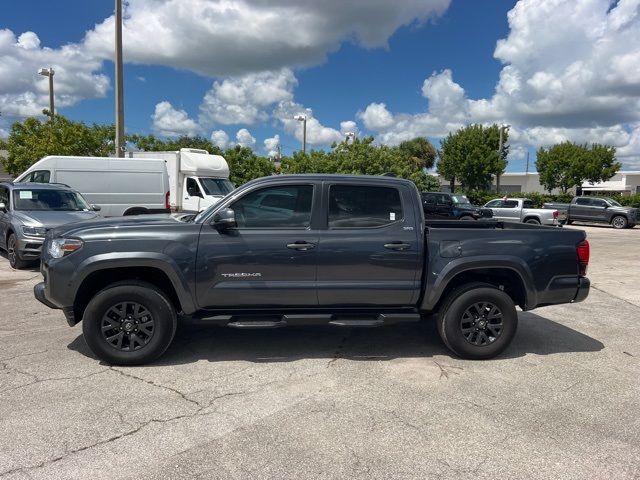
(555, 214)
(583, 257)
(167, 205)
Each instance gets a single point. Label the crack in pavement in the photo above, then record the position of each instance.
(133, 431)
(36, 379)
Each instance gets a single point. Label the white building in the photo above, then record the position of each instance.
(625, 182)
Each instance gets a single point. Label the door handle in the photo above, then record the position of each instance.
(397, 246)
(300, 245)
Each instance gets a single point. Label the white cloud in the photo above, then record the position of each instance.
(242, 100)
(271, 145)
(245, 138)
(348, 126)
(170, 122)
(317, 134)
(231, 37)
(23, 92)
(220, 138)
(376, 117)
(571, 72)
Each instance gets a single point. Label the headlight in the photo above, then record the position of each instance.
(59, 247)
(34, 231)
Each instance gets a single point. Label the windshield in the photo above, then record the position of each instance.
(613, 202)
(57, 200)
(216, 186)
(460, 199)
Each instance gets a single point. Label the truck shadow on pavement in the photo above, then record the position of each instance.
(536, 335)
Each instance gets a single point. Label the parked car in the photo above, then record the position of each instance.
(598, 210)
(29, 210)
(120, 186)
(197, 179)
(522, 210)
(441, 205)
(351, 251)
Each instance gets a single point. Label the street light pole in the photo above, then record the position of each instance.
(49, 72)
(119, 84)
(502, 127)
(303, 119)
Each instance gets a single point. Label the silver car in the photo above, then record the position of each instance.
(28, 210)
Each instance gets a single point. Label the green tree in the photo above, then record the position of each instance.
(420, 151)
(245, 165)
(471, 156)
(151, 143)
(567, 165)
(32, 139)
(362, 157)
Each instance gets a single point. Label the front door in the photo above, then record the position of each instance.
(192, 195)
(598, 210)
(369, 252)
(269, 259)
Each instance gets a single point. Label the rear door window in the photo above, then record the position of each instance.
(361, 206)
(583, 201)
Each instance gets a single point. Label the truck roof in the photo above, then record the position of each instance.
(334, 176)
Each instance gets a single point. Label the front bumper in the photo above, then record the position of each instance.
(39, 293)
(29, 248)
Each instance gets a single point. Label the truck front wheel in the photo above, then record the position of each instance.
(129, 323)
(619, 222)
(477, 321)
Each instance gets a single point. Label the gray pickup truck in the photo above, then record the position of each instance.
(347, 251)
(597, 210)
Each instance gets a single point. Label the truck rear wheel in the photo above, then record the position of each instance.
(129, 324)
(477, 321)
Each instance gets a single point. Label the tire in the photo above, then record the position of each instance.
(532, 221)
(14, 256)
(568, 222)
(462, 337)
(467, 218)
(619, 221)
(129, 343)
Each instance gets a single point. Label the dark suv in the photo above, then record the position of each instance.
(439, 205)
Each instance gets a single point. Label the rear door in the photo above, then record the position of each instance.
(370, 251)
(269, 259)
(580, 209)
(429, 205)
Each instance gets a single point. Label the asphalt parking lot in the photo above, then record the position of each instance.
(563, 402)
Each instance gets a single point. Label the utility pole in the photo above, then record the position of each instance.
(303, 119)
(49, 72)
(527, 171)
(119, 84)
(499, 156)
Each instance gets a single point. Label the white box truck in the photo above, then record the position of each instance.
(120, 186)
(197, 179)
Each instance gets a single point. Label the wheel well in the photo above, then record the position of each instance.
(96, 281)
(502, 278)
(531, 217)
(135, 211)
(623, 215)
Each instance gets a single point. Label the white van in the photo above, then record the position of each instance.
(121, 186)
(197, 179)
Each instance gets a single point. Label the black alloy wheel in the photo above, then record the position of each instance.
(127, 326)
(481, 323)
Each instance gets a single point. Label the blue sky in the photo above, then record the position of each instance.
(435, 67)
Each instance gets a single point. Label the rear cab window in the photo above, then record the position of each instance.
(363, 206)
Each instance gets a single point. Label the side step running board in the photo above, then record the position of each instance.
(293, 319)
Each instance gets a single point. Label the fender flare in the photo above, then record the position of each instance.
(434, 291)
(160, 261)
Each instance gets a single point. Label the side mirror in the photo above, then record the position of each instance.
(96, 208)
(3, 207)
(224, 219)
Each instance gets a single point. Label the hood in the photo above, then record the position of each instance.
(51, 218)
(118, 222)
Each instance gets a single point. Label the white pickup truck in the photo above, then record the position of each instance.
(521, 210)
